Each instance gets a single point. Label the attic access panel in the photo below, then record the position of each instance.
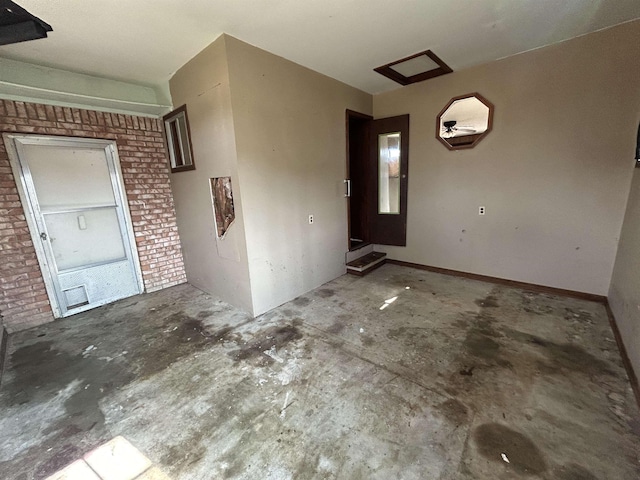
(18, 25)
(415, 68)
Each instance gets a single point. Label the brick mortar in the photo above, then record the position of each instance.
(143, 160)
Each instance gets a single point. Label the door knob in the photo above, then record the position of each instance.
(43, 236)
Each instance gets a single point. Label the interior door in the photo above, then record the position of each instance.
(78, 219)
(389, 151)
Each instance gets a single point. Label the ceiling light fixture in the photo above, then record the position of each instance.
(416, 68)
(18, 25)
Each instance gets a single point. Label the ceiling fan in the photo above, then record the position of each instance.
(450, 128)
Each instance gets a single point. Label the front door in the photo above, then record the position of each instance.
(73, 195)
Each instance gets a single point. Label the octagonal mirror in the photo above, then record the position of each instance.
(464, 121)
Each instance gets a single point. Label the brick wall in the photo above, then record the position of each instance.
(23, 300)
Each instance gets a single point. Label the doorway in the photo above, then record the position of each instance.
(73, 196)
(358, 131)
(377, 179)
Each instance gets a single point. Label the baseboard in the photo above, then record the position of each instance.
(503, 281)
(633, 379)
(4, 338)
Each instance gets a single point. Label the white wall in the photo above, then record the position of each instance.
(290, 134)
(624, 295)
(553, 174)
(217, 266)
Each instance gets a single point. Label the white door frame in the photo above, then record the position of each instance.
(13, 143)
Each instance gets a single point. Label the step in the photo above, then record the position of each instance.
(358, 252)
(367, 263)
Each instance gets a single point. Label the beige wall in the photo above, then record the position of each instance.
(217, 266)
(624, 295)
(553, 174)
(290, 134)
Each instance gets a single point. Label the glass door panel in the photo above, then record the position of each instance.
(389, 173)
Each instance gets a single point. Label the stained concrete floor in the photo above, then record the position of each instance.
(438, 384)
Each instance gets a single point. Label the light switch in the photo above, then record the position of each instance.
(82, 223)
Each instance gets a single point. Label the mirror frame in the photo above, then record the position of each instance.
(480, 136)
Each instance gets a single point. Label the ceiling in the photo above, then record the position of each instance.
(146, 41)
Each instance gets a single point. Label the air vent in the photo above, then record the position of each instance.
(76, 297)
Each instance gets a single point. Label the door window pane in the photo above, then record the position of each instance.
(85, 238)
(389, 173)
(69, 177)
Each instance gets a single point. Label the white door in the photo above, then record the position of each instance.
(72, 192)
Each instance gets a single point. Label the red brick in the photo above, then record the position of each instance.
(41, 111)
(30, 109)
(68, 115)
(23, 299)
(10, 108)
(76, 115)
(50, 113)
(59, 113)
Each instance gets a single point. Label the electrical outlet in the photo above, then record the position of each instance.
(310, 219)
(481, 211)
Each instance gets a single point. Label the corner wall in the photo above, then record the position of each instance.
(217, 266)
(554, 173)
(290, 135)
(23, 299)
(624, 294)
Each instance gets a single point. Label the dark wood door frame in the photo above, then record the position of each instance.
(363, 175)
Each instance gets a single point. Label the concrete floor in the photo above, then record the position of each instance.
(343, 382)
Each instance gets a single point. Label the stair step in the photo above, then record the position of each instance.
(357, 252)
(365, 264)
